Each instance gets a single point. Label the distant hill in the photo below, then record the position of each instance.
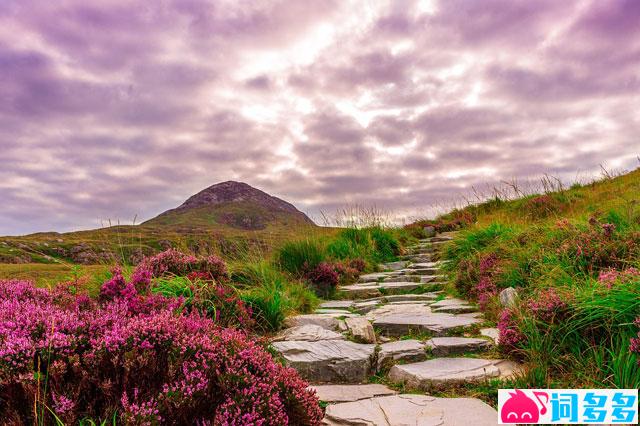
(234, 204)
(228, 218)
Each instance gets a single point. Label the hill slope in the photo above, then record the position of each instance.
(573, 257)
(228, 218)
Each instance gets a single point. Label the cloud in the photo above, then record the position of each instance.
(125, 107)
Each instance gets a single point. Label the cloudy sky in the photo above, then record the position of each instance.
(114, 108)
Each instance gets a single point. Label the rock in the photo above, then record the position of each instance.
(361, 291)
(348, 393)
(429, 231)
(411, 410)
(453, 306)
(401, 350)
(366, 306)
(376, 276)
(445, 346)
(337, 304)
(376, 289)
(493, 333)
(401, 278)
(361, 329)
(448, 371)
(309, 333)
(337, 312)
(425, 297)
(323, 320)
(509, 297)
(440, 239)
(399, 320)
(335, 361)
(393, 266)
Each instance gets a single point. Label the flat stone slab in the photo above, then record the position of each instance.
(401, 350)
(376, 289)
(393, 266)
(401, 278)
(399, 320)
(334, 361)
(366, 306)
(444, 346)
(337, 304)
(447, 371)
(436, 323)
(309, 333)
(409, 297)
(453, 306)
(332, 311)
(323, 320)
(376, 276)
(348, 393)
(411, 410)
(492, 333)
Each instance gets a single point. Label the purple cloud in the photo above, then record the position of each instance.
(125, 107)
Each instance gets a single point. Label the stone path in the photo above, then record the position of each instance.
(396, 323)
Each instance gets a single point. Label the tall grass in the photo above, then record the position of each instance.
(296, 257)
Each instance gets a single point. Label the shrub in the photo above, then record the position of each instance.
(510, 335)
(174, 262)
(548, 306)
(542, 206)
(324, 279)
(299, 257)
(358, 264)
(80, 358)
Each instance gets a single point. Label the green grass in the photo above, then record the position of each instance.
(558, 241)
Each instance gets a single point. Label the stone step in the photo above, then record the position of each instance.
(368, 290)
(325, 321)
(393, 266)
(491, 333)
(401, 350)
(446, 346)
(348, 393)
(453, 306)
(440, 372)
(376, 276)
(401, 323)
(337, 304)
(308, 332)
(328, 361)
(440, 238)
(338, 312)
(405, 410)
(400, 278)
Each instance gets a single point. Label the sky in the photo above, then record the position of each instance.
(114, 109)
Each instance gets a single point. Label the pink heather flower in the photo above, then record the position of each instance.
(634, 346)
(151, 363)
(610, 277)
(488, 263)
(509, 334)
(547, 305)
(485, 290)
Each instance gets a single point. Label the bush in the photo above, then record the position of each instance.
(299, 257)
(323, 279)
(80, 358)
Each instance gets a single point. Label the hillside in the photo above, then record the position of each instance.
(229, 218)
(557, 274)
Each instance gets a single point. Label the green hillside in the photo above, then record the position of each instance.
(573, 256)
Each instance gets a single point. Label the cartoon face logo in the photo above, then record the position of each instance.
(519, 408)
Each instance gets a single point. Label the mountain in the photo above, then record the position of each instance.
(228, 218)
(234, 204)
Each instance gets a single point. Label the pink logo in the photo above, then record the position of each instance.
(519, 408)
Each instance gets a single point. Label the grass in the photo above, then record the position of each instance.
(558, 242)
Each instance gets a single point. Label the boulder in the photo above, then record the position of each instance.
(361, 329)
(429, 231)
(492, 333)
(509, 297)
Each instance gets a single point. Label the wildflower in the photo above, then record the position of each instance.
(547, 305)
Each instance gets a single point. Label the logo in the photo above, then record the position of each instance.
(568, 406)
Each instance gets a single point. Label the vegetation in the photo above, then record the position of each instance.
(573, 255)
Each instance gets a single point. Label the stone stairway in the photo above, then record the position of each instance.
(400, 325)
